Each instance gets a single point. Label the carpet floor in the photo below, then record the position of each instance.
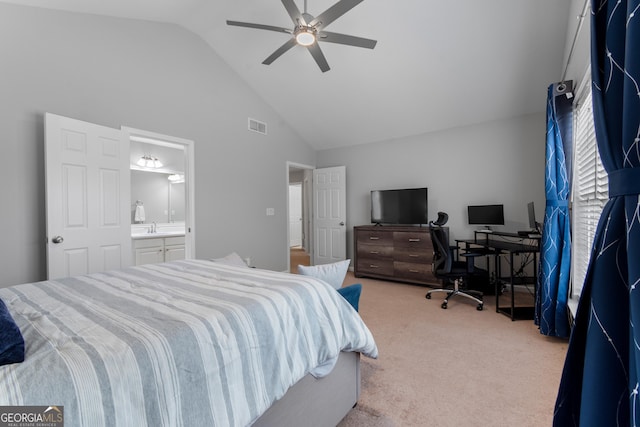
(453, 367)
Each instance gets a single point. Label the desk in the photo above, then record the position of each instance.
(511, 244)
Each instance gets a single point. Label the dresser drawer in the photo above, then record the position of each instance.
(412, 239)
(412, 255)
(382, 267)
(374, 252)
(382, 238)
(412, 271)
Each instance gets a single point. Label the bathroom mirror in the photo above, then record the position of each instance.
(157, 184)
(162, 199)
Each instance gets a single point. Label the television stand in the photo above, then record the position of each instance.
(393, 252)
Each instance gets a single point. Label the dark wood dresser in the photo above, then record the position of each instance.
(397, 253)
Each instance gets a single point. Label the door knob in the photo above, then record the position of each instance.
(341, 222)
(57, 239)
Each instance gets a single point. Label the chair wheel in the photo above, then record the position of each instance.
(428, 296)
(479, 307)
(444, 305)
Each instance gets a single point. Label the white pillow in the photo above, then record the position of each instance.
(333, 274)
(231, 259)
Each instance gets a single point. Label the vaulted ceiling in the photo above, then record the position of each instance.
(437, 64)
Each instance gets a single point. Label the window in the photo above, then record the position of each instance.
(590, 186)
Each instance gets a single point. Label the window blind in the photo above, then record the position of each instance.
(590, 189)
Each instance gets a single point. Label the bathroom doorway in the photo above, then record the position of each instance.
(171, 201)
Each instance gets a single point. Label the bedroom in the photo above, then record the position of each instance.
(163, 78)
(119, 68)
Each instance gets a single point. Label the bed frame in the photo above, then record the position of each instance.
(318, 402)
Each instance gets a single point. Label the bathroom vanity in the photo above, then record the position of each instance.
(160, 243)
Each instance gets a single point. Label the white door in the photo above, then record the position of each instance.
(87, 197)
(329, 215)
(307, 194)
(295, 215)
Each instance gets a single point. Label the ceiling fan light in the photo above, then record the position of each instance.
(305, 37)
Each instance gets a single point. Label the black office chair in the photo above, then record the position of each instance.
(454, 274)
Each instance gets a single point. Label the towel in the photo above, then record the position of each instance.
(139, 215)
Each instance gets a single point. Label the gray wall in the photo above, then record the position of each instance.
(581, 55)
(501, 162)
(498, 162)
(149, 76)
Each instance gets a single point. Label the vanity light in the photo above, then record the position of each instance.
(149, 162)
(176, 178)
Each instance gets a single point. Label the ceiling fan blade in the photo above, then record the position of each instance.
(333, 13)
(294, 12)
(317, 54)
(282, 49)
(326, 36)
(260, 26)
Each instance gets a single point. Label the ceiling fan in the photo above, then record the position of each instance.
(309, 30)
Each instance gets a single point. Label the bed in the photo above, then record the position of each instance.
(186, 343)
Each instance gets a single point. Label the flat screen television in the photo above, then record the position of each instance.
(486, 215)
(404, 206)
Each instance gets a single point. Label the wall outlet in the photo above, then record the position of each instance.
(271, 211)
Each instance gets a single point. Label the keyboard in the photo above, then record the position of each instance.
(530, 234)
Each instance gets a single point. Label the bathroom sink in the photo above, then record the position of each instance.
(145, 235)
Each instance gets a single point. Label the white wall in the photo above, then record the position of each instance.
(150, 76)
(495, 162)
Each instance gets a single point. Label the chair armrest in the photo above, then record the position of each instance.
(471, 256)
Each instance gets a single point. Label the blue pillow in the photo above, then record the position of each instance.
(11, 341)
(333, 273)
(352, 294)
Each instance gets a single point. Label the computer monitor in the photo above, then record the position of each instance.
(533, 225)
(486, 215)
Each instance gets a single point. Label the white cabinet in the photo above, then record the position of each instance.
(173, 248)
(158, 249)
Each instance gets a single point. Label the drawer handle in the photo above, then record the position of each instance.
(374, 252)
(414, 271)
(414, 240)
(413, 255)
(373, 266)
(374, 238)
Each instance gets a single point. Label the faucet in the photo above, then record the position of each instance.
(152, 228)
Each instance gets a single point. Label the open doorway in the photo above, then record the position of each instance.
(299, 187)
(169, 202)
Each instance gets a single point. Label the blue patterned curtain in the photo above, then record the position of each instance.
(555, 252)
(601, 377)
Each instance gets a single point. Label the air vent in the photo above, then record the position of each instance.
(257, 126)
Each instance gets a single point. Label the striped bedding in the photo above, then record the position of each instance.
(185, 343)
